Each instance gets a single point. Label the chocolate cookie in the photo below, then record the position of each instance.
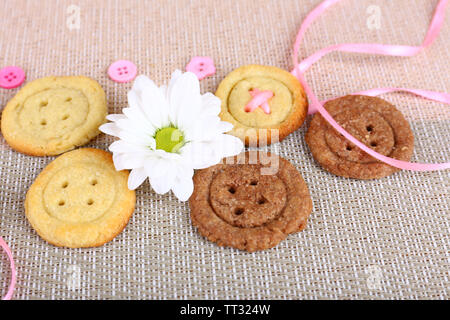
(251, 202)
(373, 121)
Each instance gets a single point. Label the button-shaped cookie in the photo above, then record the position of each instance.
(52, 115)
(371, 120)
(80, 200)
(251, 202)
(265, 104)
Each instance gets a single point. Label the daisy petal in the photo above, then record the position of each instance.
(136, 138)
(207, 129)
(134, 99)
(200, 155)
(210, 104)
(136, 178)
(110, 128)
(148, 98)
(124, 161)
(163, 184)
(230, 145)
(121, 146)
(141, 83)
(185, 99)
(157, 167)
(155, 106)
(183, 188)
(203, 154)
(202, 129)
(173, 78)
(140, 119)
(115, 117)
(225, 126)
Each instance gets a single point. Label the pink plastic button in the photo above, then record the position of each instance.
(202, 67)
(122, 71)
(11, 77)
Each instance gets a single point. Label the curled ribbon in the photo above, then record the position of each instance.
(5, 247)
(373, 48)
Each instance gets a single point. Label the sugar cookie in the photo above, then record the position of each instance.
(52, 115)
(281, 112)
(251, 204)
(373, 121)
(80, 200)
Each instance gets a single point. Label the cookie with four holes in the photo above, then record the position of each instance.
(250, 202)
(373, 121)
(80, 200)
(280, 109)
(52, 115)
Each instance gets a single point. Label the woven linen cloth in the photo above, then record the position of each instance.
(386, 238)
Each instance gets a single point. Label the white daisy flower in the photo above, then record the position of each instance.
(167, 132)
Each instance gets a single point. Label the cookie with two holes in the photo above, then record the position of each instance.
(373, 121)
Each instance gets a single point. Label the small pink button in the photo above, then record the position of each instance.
(202, 67)
(122, 71)
(11, 77)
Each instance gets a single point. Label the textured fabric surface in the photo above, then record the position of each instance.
(386, 238)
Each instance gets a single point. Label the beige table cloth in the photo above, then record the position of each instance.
(386, 238)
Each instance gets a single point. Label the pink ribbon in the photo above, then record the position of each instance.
(5, 247)
(259, 99)
(392, 50)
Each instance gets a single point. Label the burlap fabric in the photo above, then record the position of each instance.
(387, 238)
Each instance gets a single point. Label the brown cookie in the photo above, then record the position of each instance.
(373, 121)
(250, 202)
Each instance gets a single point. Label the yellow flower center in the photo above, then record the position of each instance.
(169, 139)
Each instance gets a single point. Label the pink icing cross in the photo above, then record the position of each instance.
(259, 99)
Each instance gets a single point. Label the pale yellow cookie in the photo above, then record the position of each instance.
(288, 106)
(80, 200)
(52, 115)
